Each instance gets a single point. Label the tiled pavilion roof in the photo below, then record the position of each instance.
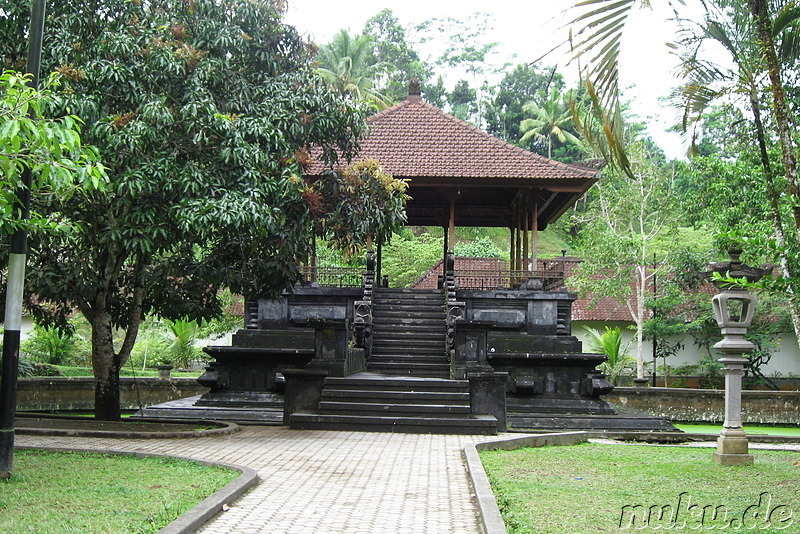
(416, 141)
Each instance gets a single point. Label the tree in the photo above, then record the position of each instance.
(621, 225)
(181, 349)
(391, 50)
(708, 82)
(204, 112)
(466, 51)
(358, 204)
(463, 101)
(550, 117)
(523, 84)
(345, 65)
(769, 34)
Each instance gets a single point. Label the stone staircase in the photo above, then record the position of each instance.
(368, 402)
(409, 333)
(407, 386)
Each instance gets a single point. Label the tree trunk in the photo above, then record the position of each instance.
(105, 366)
(786, 268)
(640, 322)
(763, 23)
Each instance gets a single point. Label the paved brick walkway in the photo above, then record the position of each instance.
(328, 482)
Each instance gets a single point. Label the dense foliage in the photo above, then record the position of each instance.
(51, 148)
(203, 112)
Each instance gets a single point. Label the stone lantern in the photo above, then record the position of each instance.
(733, 310)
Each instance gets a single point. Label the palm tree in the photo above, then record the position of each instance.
(550, 119)
(708, 82)
(595, 40)
(182, 336)
(343, 64)
(596, 44)
(619, 362)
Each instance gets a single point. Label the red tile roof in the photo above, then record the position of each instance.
(416, 139)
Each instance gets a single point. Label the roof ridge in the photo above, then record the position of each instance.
(391, 109)
(588, 172)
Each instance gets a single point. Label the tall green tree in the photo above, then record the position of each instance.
(762, 36)
(346, 65)
(522, 84)
(709, 81)
(466, 52)
(50, 147)
(392, 50)
(463, 101)
(620, 228)
(204, 111)
(549, 118)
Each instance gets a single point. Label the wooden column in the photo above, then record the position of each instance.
(526, 230)
(451, 230)
(513, 252)
(446, 232)
(534, 234)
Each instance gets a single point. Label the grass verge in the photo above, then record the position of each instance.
(750, 430)
(75, 492)
(592, 488)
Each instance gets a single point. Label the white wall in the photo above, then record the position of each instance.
(785, 360)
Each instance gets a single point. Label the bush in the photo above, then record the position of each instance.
(49, 345)
(43, 369)
(25, 368)
(482, 247)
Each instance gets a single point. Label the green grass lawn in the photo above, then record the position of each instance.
(755, 430)
(65, 492)
(592, 488)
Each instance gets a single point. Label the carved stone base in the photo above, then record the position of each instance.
(732, 448)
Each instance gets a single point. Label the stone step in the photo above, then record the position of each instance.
(396, 397)
(409, 294)
(384, 383)
(548, 421)
(410, 305)
(466, 425)
(405, 333)
(408, 358)
(398, 410)
(419, 325)
(416, 369)
(410, 316)
(379, 341)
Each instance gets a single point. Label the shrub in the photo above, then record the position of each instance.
(49, 345)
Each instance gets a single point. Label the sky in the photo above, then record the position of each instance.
(526, 31)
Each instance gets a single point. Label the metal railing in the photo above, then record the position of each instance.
(551, 274)
(333, 276)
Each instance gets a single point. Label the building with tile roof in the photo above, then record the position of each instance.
(461, 176)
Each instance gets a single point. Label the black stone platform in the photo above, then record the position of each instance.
(188, 408)
(370, 402)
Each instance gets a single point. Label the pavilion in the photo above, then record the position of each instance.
(459, 175)
(485, 351)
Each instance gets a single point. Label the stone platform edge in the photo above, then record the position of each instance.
(490, 518)
(202, 512)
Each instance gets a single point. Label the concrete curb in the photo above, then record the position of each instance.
(202, 512)
(226, 428)
(490, 518)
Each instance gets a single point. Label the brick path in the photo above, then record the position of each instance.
(327, 482)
